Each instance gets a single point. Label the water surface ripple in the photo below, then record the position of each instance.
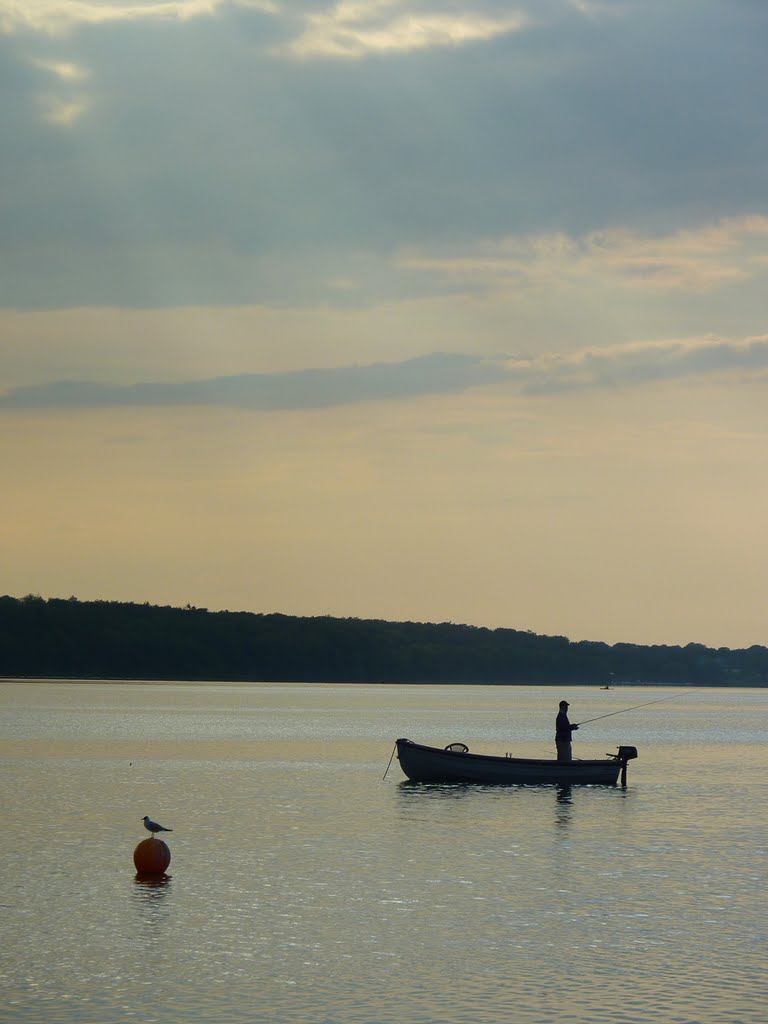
(305, 889)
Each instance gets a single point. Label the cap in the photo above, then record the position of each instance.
(564, 704)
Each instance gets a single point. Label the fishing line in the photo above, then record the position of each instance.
(647, 704)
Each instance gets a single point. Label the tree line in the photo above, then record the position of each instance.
(68, 638)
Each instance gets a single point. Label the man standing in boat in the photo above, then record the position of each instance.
(563, 730)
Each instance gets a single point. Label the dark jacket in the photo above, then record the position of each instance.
(563, 727)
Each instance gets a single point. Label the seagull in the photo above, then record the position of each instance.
(153, 827)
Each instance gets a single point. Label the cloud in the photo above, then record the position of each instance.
(65, 70)
(639, 363)
(361, 27)
(440, 373)
(66, 106)
(351, 28)
(199, 152)
(306, 389)
(691, 260)
(55, 17)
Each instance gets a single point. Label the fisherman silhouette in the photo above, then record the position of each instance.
(563, 730)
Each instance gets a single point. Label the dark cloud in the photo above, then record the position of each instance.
(439, 373)
(306, 389)
(202, 136)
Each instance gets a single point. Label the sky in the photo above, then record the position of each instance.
(400, 309)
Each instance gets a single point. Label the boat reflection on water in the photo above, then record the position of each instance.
(420, 799)
(439, 790)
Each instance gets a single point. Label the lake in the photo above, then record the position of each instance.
(306, 888)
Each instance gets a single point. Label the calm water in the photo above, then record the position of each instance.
(307, 890)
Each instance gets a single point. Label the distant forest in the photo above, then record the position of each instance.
(67, 638)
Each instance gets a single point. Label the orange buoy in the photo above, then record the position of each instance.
(152, 857)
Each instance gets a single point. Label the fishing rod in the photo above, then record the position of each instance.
(647, 704)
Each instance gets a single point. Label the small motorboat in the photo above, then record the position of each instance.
(455, 763)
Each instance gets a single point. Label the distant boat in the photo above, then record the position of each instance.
(455, 763)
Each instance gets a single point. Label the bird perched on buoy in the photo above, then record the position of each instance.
(153, 827)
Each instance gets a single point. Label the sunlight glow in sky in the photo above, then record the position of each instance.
(407, 310)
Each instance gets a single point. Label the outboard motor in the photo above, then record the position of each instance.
(625, 754)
